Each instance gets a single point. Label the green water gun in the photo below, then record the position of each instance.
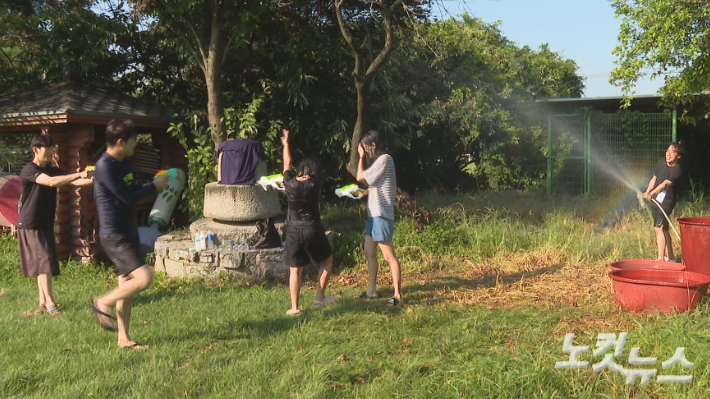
(275, 181)
(351, 190)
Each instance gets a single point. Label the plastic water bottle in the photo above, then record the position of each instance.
(197, 240)
(210, 240)
(203, 241)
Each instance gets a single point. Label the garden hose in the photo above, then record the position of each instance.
(666, 216)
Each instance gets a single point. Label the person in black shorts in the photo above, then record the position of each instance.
(305, 235)
(115, 193)
(662, 188)
(35, 225)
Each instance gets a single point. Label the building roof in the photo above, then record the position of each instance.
(61, 101)
(646, 103)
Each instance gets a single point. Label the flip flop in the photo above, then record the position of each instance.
(292, 312)
(325, 302)
(135, 346)
(365, 296)
(107, 326)
(393, 302)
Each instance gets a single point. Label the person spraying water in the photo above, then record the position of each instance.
(661, 191)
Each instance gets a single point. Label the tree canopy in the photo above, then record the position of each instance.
(664, 39)
(455, 98)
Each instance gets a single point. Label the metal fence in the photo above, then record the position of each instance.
(593, 153)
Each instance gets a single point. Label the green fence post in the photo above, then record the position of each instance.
(549, 155)
(588, 155)
(675, 124)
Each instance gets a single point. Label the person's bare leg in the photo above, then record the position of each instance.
(388, 253)
(660, 242)
(669, 244)
(294, 286)
(372, 265)
(44, 286)
(326, 268)
(123, 319)
(136, 281)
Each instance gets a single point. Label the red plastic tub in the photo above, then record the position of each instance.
(695, 244)
(665, 291)
(631, 264)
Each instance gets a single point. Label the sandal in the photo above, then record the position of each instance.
(325, 302)
(52, 309)
(393, 302)
(99, 315)
(292, 312)
(365, 296)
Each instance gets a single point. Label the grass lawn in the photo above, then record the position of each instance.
(491, 286)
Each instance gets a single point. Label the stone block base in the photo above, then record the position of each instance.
(174, 257)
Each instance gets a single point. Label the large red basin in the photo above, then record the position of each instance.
(665, 291)
(630, 264)
(695, 244)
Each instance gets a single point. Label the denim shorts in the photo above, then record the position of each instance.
(380, 229)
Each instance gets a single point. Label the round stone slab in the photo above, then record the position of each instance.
(233, 203)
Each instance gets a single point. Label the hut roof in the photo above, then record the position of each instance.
(76, 99)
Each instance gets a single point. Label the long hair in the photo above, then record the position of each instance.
(309, 166)
(376, 138)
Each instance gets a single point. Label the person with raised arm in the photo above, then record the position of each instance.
(376, 168)
(305, 235)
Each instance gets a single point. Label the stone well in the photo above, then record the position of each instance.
(231, 212)
(237, 203)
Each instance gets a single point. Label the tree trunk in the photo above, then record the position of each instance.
(215, 100)
(363, 103)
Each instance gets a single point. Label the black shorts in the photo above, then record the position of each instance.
(658, 219)
(304, 246)
(124, 250)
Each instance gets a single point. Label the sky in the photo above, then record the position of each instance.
(583, 30)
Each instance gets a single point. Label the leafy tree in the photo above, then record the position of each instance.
(483, 121)
(208, 30)
(371, 46)
(48, 41)
(668, 39)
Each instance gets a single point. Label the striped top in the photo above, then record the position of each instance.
(380, 176)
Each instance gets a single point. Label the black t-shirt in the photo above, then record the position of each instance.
(664, 172)
(115, 192)
(39, 202)
(303, 199)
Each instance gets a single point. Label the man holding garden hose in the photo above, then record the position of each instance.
(662, 192)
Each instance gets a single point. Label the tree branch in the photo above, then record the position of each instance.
(389, 40)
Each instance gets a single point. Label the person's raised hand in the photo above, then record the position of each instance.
(284, 136)
(84, 174)
(361, 150)
(160, 182)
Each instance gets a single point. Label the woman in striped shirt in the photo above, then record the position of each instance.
(380, 177)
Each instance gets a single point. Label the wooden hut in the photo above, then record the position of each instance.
(75, 116)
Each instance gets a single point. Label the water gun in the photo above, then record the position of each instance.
(171, 173)
(351, 190)
(275, 181)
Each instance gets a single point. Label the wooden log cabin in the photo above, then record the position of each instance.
(75, 116)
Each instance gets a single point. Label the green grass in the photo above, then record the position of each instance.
(216, 338)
